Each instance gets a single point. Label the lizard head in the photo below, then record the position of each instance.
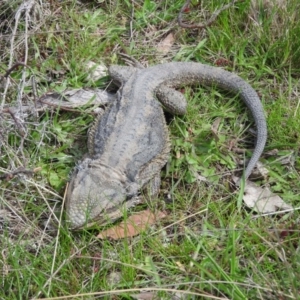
(95, 195)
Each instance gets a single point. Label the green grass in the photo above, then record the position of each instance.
(210, 246)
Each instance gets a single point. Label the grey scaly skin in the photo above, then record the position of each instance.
(129, 143)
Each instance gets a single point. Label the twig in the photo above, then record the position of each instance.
(131, 61)
(17, 64)
(21, 170)
(201, 25)
(131, 21)
(20, 126)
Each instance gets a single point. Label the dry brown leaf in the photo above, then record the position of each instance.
(262, 199)
(166, 44)
(134, 225)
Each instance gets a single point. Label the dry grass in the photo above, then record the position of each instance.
(207, 248)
